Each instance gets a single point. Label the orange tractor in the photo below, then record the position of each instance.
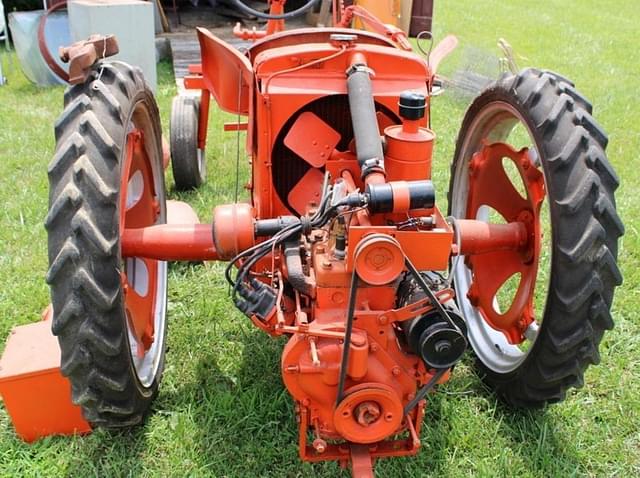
(342, 247)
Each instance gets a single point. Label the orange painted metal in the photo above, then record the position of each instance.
(387, 11)
(379, 259)
(195, 69)
(236, 126)
(35, 394)
(361, 462)
(139, 208)
(292, 76)
(170, 242)
(194, 82)
(203, 118)
(307, 191)
(437, 241)
(409, 150)
(226, 73)
(312, 139)
(491, 186)
(183, 238)
(311, 36)
(369, 413)
(275, 83)
(179, 212)
(479, 237)
(374, 24)
(443, 49)
(47, 313)
(375, 394)
(166, 154)
(233, 229)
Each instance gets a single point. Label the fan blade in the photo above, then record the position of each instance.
(312, 139)
(307, 190)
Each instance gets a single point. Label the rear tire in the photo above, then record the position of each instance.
(585, 228)
(87, 274)
(187, 161)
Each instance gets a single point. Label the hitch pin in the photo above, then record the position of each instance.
(314, 352)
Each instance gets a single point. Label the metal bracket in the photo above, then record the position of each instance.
(83, 54)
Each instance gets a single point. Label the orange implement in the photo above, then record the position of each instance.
(36, 395)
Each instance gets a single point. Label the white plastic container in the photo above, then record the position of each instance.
(131, 21)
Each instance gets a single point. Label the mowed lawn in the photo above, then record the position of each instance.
(222, 409)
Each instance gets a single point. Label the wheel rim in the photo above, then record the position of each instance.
(144, 281)
(201, 163)
(484, 188)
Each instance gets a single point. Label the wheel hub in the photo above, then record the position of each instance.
(491, 187)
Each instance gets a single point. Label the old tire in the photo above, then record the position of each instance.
(187, 161)
(109, 130)
(584, 224)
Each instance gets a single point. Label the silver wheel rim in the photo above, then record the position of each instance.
(494, 122)
(147, 366)
(200, 160)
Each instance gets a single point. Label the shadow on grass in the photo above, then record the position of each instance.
(532, 434)
(538, 442)
(246, 426)
(108, 453)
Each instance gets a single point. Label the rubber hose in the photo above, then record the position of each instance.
(364, 120)
(265, 16)
(295, 274)
(42, 43)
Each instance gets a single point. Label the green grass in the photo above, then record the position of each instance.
(223, 411)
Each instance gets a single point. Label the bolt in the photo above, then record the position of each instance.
(382, 320)
(472, 295)
(531, 331)
(326, 264)
(358, 341)
(306, 402)
(373, 347)
(395, 371)
(319, 445)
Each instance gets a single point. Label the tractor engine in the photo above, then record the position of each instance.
(388, 359)
(350, 219)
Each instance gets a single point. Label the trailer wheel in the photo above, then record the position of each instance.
(187, 160)
(530, 151)
(109, 312)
